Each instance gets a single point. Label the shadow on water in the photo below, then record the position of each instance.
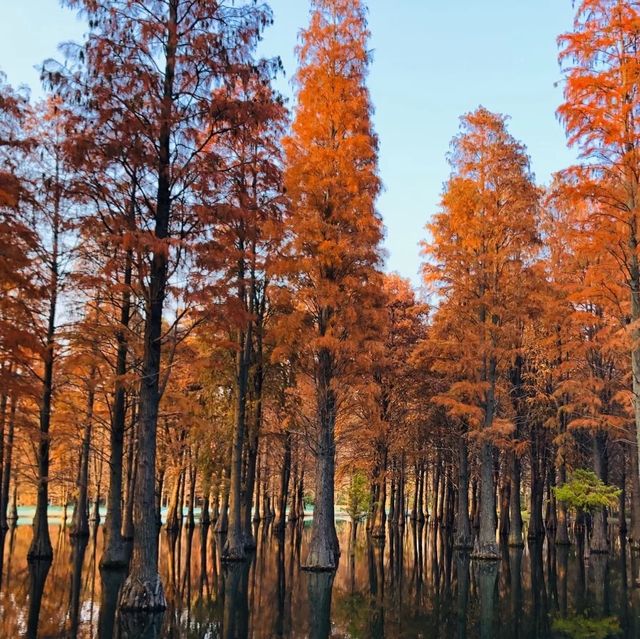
(319, 587)
(235, 624)
(38, 572)
(411, 584)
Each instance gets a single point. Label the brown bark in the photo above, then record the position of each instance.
(463, 539)
(378, 515)
(515, 503)
(284, 484)
(324, 550)
(234, 549)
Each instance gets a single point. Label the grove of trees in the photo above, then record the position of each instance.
(195, 316)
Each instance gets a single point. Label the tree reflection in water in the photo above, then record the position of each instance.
(411, 584)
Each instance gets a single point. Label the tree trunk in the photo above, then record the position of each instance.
(505, 502)
(12, 517)
(378, 517)
(132, 472)
(80, 523)
(234, 546)
(257, 509)
(222, 524)
(4, 401)
(284, 484)
(143, 591)
(115, 551)
(324, 550)
(562, 529)
(159, 491)
(634, 533)
(215, 499)
(485, 544)
(191, 519)
(515, 504)
(622, 502)
(599, 537)
(421, 475)
(416, 491)
(40, 548)
(172, 522)
(7, 466)
(536, 525)
(634, 285)
(463, 538)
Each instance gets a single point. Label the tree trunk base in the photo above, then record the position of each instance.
(40, 550)
(377, 532)
(115, 557)
(321, 560)
(142, 596)
(515, 541)
(136, 624)
(486, 552)
(235, 553)
(463, 544)
(317, 568)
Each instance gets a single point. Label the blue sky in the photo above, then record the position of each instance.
(433, 61)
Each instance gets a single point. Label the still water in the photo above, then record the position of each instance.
(414, 586)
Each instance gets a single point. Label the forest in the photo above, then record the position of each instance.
(197, 327)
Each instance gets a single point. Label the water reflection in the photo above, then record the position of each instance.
(413, 584)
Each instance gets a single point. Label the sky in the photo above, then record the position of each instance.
(433, 60)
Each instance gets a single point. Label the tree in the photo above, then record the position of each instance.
(52, 204)
(600, 114)
(331, 180)
(163, 67)
(480, 255)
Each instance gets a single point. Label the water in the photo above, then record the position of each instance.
(416, 586)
